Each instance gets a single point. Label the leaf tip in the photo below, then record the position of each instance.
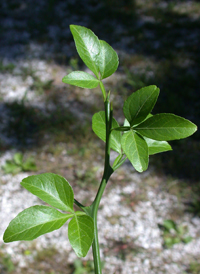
(72, 26)
(5, 236)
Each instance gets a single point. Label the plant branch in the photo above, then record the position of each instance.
(79, 204)
(106, 175)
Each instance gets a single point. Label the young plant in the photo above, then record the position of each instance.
(141, 135)
(18, 164)
(173, 234)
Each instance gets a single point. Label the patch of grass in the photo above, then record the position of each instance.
(174, 234)
(194, 268)
(6, 264)
(6, 68)
(18, 164)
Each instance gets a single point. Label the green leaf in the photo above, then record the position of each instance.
(169, 224)
(18, 158)
(117, 160)
(139, 104)
(169, 241)
(81, 234)
(11, 167)
(52, 189)
(99, 128)
(29, 164)
(153, 145)
(177, 240)
(123, 129)
(166, 127)
(157, 146)
(88, 47)
(136, 150)
(81, 79)
(34, 222)
(107, 60)
(187, 239)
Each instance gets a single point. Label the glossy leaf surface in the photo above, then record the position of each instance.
(81, 79)
(52, 189)
(88, 46)
(107, 60)
(34, 222)
(99, 127)
(166, 127)
(157, 146)
(81, 234)
(139, 104)
(136, 149)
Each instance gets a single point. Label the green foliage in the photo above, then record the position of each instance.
(173, 234)
(97, 55)
(88, 47)
(145, 134)
(17, 164)
(140, 104)
(136, 149)
(141, 135)
(157, 146)
(52, 189)
(99, 127)
(6, 263)
(34, 222)
(166, 127)
(38, 220)
(194, 268)
(6, 68)
(107, 60)
(81, 79)
(80, 233)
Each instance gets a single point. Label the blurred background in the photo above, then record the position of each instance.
(45, 126)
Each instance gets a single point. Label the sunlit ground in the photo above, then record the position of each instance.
(50, 122)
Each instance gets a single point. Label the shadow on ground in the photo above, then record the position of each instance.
(165, 35)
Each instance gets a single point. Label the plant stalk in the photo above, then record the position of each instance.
(106, 175)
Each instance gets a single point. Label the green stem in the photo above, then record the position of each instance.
(79, 204)
(95, 248)
(92, 210)
(103, 90)
(106, 175)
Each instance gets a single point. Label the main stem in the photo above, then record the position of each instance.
(92, 210)
(106, 175)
